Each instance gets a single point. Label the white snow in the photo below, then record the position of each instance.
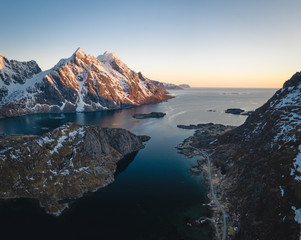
(282, 191)
(117, 88)
(297, 217)
(79, 131)
(81, 91)
(30, 178)
(286, 127)
(2, 156)
(43, 140)
(293, 98)
(297, 166)
(65, 172)
(53, 172)
(81, 169)
(17, 91)
(59, 143)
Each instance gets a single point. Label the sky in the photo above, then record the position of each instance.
(204, 43)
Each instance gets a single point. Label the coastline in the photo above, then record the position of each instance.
(212, 174)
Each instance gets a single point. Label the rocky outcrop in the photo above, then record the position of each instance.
(62, 164)
(76, 84)
(261, 161)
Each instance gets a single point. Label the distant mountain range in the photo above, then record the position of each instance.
(171, 86)
(79, 83)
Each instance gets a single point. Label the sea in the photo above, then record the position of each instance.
(154, 194)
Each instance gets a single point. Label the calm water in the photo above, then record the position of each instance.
(154, 193)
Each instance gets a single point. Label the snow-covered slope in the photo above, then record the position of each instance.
(15, 73)
(79, 83)
(262, 161)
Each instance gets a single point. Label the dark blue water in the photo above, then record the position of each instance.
(154, 193)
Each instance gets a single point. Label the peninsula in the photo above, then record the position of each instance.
(62, 164)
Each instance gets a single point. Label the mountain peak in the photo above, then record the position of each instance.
(108, 56)
(79, 53)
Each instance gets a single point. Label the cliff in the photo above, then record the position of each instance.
(62, 164)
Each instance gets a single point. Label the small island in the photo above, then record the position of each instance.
(149, 115)
(238, 111)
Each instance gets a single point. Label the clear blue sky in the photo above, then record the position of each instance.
(226, 43)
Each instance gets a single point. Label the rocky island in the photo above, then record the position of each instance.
(62, 164)
(238, 111)
(149, 115)
(256, 167)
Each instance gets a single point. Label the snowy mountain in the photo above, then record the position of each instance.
(260, 164)
(15, 73)
(79, 83)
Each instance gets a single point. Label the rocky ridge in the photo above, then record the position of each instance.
(13, 72)
(76, 84)
(261, 166)
(62, 164)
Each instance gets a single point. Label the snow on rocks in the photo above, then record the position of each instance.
(75, 84)
(296, 170)
(297, 217)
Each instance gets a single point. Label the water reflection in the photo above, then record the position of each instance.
(41, 123)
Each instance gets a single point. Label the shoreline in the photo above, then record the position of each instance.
(190, 147)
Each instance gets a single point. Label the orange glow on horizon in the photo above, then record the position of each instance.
(237, 80)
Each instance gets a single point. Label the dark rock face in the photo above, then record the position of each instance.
(261, 160)
(62, 164)
(149, 115)
(13, 72)
(80, 83)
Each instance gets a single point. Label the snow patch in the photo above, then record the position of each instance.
(297, 166)
(297, 217)
(59, 143)
(282, 191)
